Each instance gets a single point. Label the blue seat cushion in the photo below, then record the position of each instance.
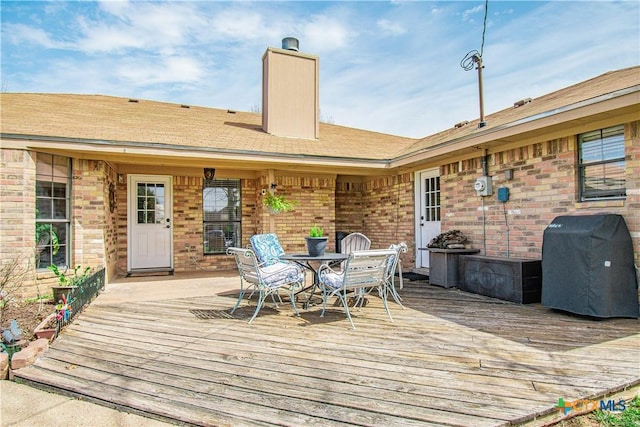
(267, 248)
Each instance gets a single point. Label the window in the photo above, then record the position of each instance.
(432, 198)
(53, 183)
(221, 215)
(601, 164)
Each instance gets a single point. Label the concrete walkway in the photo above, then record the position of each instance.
(26, 406)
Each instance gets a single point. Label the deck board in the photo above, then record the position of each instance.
(448, 358)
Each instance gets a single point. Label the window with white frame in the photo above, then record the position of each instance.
(53, 189)
(221, 215)
(601, 164)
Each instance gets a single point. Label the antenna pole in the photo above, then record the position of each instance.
(478, 60)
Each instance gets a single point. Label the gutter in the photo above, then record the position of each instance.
(155, 145)
(330, 159)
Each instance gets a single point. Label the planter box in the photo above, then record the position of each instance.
(511, 279)
(443, 266)
(48, 333)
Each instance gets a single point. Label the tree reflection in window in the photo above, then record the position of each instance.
(221, 215)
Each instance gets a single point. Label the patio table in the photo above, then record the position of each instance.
(307, 261)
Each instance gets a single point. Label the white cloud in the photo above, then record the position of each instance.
(159, 70)
(20, 34)
(468, 14)
(138, 25)
(390, 28)
(324, 33)
(390, 68)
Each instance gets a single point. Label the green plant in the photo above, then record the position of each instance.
(278, 204)
(630, 417)
(76, 279)
(316, 231)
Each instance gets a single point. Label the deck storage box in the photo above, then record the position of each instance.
(587, 266)
(510, 279)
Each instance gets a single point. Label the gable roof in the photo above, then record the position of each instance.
(108, 124)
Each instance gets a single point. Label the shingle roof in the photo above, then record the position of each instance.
(158, 124)
(114, 119)
(606, 83)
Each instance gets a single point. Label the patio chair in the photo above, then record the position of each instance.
(267, 248)
(268, 280)
(354, 242)
(396, 264)
(363, 270)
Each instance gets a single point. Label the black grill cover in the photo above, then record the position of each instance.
(587, 266)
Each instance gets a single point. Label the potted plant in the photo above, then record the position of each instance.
(316, 241)
(277, 204)
(67, 283)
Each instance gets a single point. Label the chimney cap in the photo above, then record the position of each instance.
(290, 43)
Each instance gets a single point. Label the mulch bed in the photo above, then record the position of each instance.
(28, 315)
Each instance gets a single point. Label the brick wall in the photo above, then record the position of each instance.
(316, 201)
(544, 186)
(17, 220)
(380, 208)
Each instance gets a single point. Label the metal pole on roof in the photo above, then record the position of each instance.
(478, 60)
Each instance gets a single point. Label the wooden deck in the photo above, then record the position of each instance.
(449, 358)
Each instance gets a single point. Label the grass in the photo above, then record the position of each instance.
(630, 417)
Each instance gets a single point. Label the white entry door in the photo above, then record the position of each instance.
(150, 222)
(428, 209)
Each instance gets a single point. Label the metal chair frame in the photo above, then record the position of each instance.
(363, 269)
(268, 280)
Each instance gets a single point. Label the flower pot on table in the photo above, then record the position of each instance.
(316, 245)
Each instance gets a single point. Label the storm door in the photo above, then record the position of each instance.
(428, 213)
(150, 222)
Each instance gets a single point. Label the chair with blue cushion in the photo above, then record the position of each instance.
(363, 270)
(267, 248)
(269, 280)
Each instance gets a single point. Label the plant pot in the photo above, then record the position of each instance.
(42, 331)
(316, 245)
(58, 291)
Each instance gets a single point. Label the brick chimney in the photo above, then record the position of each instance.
(290, 105)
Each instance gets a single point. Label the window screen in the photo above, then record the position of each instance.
(221, 215)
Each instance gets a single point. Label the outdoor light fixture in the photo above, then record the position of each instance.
(209, 173)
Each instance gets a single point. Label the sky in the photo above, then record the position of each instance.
(385, 66)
